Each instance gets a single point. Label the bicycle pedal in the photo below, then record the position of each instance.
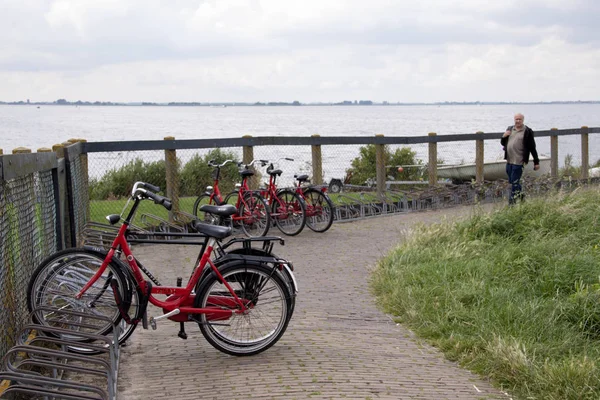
(152, 323)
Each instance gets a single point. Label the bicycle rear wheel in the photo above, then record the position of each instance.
(61, 276)
(264, 322)
(202, 216)
(253, 215)
(289, 212)
(319, 210)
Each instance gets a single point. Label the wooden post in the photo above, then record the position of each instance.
(585, 152)
(62, 205)
(21, 150)
(432, 167)
(554, 155)
(380, 166)
(317, 163)
(85, 186)
(479, 159)
(247, 157)
(172, 189)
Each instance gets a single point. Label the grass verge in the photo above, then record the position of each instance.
(513, 295)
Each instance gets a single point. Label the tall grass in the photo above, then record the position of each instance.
(513, 295)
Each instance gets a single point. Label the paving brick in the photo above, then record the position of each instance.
(338, 344)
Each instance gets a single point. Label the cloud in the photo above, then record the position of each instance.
(259, 50)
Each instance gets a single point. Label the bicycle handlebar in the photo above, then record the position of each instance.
(147, 190)
(257, 161)
(211, 163)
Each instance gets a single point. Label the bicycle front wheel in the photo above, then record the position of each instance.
(59, 278)
(289, 212)
(319, 210)
(261, 325)
(253, 215)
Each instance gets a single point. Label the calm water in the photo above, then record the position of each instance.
(34, 127)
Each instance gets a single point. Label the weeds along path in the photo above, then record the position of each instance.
(338, 344)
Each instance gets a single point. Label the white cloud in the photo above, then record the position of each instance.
(279, 50)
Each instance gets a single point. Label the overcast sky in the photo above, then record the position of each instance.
(305, 50)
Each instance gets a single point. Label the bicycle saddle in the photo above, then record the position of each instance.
(301, 178)
(275, 172)
(225, 210)
(215, 231)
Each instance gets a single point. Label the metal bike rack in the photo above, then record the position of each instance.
(45, 355)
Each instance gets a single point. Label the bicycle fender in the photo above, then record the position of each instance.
(261, 257)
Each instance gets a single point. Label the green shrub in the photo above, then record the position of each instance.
(364, 167)
(119, 182)
(196, 174)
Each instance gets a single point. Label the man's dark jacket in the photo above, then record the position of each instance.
(528, 142)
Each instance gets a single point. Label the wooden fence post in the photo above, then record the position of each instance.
(65, 218)
(380, 166)
(585, 152)
(317, 163)
(479, 159)
(83, 158)
(554, 155)
(432, 167)
(247, 157)
(172, 190)
(21, 150)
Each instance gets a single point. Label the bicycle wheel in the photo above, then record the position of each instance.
(253, 215)
(261, 325)
(319, 210)
(202, 216)
(289, 212)
(59, 278)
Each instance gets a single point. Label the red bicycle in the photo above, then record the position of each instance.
(241, 298)
(319, 207)
(287, 208)
(252, 214)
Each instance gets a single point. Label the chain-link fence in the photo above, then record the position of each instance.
(342, 163)
(28, 229)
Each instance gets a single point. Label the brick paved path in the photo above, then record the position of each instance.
(338, 344)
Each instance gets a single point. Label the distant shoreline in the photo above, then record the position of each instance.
(281, 104)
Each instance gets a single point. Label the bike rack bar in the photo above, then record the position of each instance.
(32, 349)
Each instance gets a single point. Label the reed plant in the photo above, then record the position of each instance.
(513, 295)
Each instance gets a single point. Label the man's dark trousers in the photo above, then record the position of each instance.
(514, 172)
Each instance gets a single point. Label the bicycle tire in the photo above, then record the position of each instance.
(319, 210)
(254, 216)
(265, 321)
(60, 276)
(292, 218)
(202, 216)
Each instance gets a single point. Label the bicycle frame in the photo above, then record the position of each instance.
(178, 305)
(217, 198)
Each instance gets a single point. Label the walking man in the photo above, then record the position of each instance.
(519, 143)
